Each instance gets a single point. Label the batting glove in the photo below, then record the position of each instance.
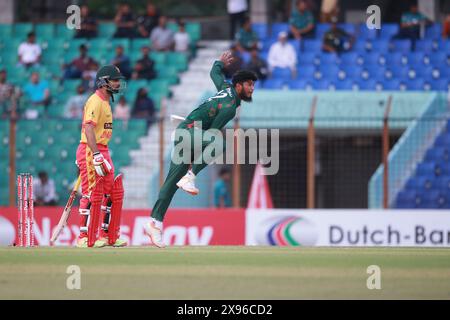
(101, 165)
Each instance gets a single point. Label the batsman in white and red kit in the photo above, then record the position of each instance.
(102, 194)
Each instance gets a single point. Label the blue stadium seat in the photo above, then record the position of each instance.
(388, 30)
(394, 59)
(299, 84)
(443, 183)
(260, 29)
(366, 33)
(328, 58)
(367, 85)
(348, 27)
(281, 73)
(372, 58)
(437, 153)
(346, 84)
(348, 58)
(277, 28)
(306, 72)
(422, 71)
(296, 45)
(432, 200)
(443, 168)
(433, 31)
(438, 58)
(420, 183)
(381, 46)
(415, 85)
(266, 44)
(360, 46)
(415, 58)
(443, 140)
(439, 84)
(273, 84)
(407, 199)
(426, 169)
(307, 58)
(373, 72)
(424, 45)
(350, 71)
(403, 46)
(391, 84)
(399, 71)
(322, 84)
(329, 71)
(312, 45)
(321, 29)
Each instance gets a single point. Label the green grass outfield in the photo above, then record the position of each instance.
(224, 273)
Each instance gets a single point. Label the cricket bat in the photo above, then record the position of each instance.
(66, 213)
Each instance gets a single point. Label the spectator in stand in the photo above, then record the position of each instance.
(282, 54)
(328, 10)
(145, 66)
(75, 105)
(44, 193)
(122, 111)
(88, 77)
(88, 24)
(29, 51)
(75, 69)
(162, 37)
(336, 39)
(411, 23)
(446, 27)
(125, 22)
(144, 108)
(148, 21)
(6, 92)
(301, 22)
(181, 38)
(257, 65)
(38, 93)
(237, 11)
(222, 197)
(246, 38)
(235, 65)
(122, 62)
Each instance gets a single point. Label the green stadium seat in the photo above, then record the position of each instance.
(158, 57)
(137, 44)
(172, 26)
(30, 126)
(98, 44)
(178, 60)
(194, 30)
(106, 29)
(22, 29)
(167, 72)
(62, 32)
(57, 44)
(74, 45)
(125, 43)
(12, 45)
(159, 86)
(71, 125)
(68, 138)
(55, 111)
(6, 31)
(8, 58)
(53, 57)
(45, 30)
(70, 85)
(46, 166)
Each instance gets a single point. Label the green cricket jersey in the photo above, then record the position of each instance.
(216, 111)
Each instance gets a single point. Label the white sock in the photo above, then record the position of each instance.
(158, 224)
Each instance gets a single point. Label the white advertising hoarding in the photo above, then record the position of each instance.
(302, 227)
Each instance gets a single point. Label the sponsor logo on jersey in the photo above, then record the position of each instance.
(108, 125)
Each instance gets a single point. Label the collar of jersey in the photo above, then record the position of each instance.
(101, 95)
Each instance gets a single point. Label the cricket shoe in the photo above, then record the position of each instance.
(83, 243)
(155, 234)
(119, 242)
(187, 183)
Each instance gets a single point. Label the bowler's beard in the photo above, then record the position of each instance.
(246, 98)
